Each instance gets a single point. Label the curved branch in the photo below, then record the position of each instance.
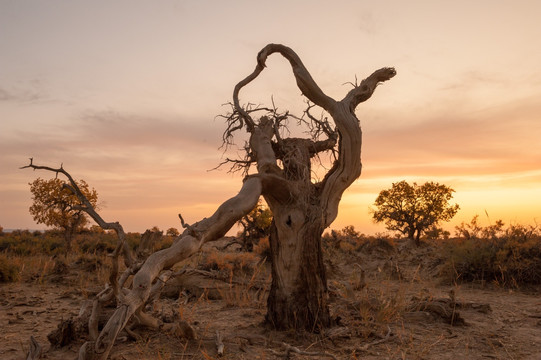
(366, 88)
(305, 82)
(250, 124)
(347, 168)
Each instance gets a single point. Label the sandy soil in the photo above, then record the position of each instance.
(381, 317)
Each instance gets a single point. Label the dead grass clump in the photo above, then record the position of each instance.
(262, 248)
(248, 293)
(376, 244)
(88, 262)
(32, 268)
(60, 267)
(238, 262)
(366, 310)
(508, 257)
(9, 272)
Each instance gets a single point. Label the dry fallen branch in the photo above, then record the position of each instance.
(219, 344)
(34, 352)
(292, 349)
(376, 342)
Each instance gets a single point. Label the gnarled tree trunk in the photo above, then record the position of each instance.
(298, 295)
(302, 207)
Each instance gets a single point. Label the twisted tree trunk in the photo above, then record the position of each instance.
(302, 208)
(298, 295)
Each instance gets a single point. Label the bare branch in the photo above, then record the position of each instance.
(219, 344)
(305, 82)
(292, 349)
(367, 87)
(35, 350)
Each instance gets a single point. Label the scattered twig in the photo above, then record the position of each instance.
(219, 344)
(376, 342)
(35, 349)
(292, 349)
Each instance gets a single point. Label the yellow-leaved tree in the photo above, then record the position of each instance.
(55, 205)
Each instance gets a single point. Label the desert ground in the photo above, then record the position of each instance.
(388, 301)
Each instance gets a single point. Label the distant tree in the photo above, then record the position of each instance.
(255, 225)
(350, 232)
(435, 232)
(414, 209)
(172, 232)
(55, 205)
(96, 229)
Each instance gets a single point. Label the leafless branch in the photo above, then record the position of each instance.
(219, 344)
(376, 342)
(366, 88)
(34, 352)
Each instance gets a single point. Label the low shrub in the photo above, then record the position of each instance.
(379, 243)
(24, 243)
(350, 241)
(237, 262)
(8, 271)
(262, 248)
(506, 256)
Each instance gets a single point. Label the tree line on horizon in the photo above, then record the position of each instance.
(410, 210)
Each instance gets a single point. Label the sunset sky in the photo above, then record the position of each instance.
(125, 95)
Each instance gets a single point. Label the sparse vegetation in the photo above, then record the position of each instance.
(8, 271)
(507, 256)
(229, 262)
(380, 295)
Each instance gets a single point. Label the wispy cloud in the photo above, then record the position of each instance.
(20, 95)
(490, 141)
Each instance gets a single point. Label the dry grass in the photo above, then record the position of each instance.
(81, 270)
(509, 257)
(248, 292)
(9, 271)
(396, 278)
(229, 262)
(32, 268)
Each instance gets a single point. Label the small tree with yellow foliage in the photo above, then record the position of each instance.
(55, 205)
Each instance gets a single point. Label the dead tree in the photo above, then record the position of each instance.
(302, 208)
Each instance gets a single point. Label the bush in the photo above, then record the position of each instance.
(238, 262)
(506, 256)
(349, 240)
(378, 243)
(8, 271)
(262, 248)
(24, 242)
